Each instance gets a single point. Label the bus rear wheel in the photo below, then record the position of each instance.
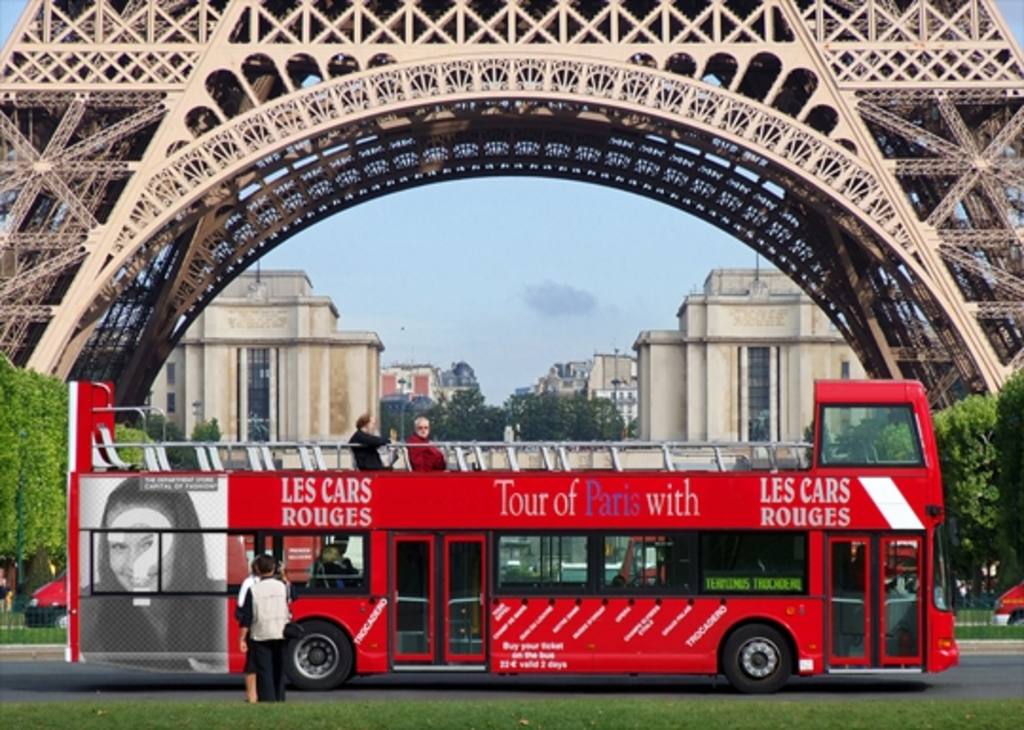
(321, 659)
(756, 659)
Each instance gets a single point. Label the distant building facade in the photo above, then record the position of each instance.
(565, 378)
(267, 360)
(742, 364)
(410, 381)
(613, 376)
(460, 376)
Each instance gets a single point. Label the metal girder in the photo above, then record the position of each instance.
(136, 128)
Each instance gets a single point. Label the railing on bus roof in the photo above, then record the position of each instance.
(461, 456)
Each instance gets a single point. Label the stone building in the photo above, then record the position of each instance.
(460, 376)
(742, 364)
(267, 360)
(613, 376)
(565, 378)
(410, 380)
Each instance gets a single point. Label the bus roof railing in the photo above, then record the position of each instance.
(460, 456)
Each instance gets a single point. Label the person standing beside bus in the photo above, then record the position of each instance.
(366, 444)
(250, 666)
(424, 458)
(263, 617)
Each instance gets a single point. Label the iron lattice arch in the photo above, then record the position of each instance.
(153, 149)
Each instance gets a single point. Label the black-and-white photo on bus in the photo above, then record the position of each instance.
(154, 572)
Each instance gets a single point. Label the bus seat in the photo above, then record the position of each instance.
(460, 459)
(108, 451)
(215, 461)
(202, 459)
(255, 462)
(304, 458)
(318, 458)
(98, 462)
(563, 459)
(149, 458)
(513, 460)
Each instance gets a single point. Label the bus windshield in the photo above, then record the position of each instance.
(869, 435)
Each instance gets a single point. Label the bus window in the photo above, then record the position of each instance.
(943, 590)
(869, 435)
(241, 551)
(641, 562)
(901, 583)
(753, 562)
(542, 561)
(325, 563)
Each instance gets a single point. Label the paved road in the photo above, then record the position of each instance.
(978, 677)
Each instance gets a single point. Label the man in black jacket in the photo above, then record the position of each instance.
(367, 443)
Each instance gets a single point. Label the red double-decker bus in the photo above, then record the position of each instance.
(757, 561)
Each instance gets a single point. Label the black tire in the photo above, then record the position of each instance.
(1016, 619)
(322, 659)
(756, 659)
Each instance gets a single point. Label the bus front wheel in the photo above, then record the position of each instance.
(756, 659)
(321, 659)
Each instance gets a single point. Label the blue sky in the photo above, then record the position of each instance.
(510, 275)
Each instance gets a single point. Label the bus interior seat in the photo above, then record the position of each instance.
(202, 459)
(304, 458)
(215, 461)
(255, 462)
(149, 459)
(108, 451)
(318, 458)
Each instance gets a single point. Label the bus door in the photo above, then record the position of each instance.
(874, 602)
(438, 585)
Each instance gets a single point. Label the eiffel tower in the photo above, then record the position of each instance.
(871, 149)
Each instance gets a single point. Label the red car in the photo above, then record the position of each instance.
(49, 605)
(1009, 609)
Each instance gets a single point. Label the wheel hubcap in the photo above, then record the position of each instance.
(316, 656)
(759, 658)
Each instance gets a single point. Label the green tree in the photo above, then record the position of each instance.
(965, 434)
(33, 430)
(159, 428)
(131, 455)
(607, 422)
(535, 417)
(466, 417)
(206, 431)
(1010, 443)
(39, 570)
(564, 418)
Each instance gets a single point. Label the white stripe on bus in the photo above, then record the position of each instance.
(891, 503)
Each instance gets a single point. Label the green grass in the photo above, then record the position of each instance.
(974, 616)
(14, 631)
(21, 635)
(586, 714)
(990, 632)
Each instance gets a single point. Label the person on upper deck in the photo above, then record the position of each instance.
(366, 444)
(424, 458)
